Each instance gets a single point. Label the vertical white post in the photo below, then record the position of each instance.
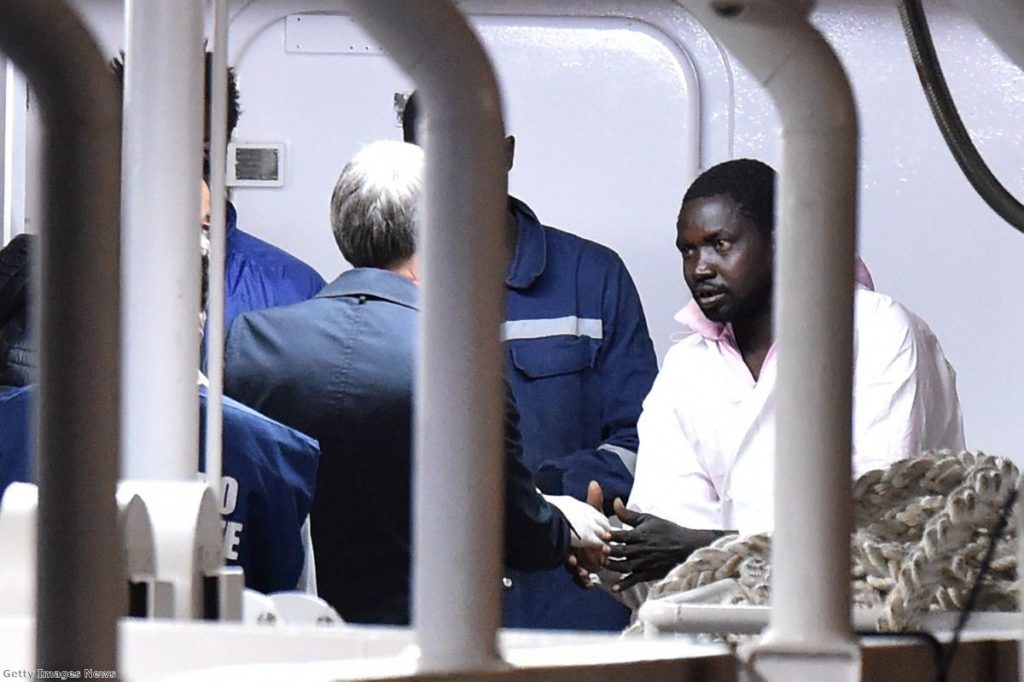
(814, 327)
(80, 583)
(810, 634)
(163, 121)
(5, 75)
(459, 461)
(815, 244)
(215, 322)
(15, 133)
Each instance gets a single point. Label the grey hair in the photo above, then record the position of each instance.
(374, 205)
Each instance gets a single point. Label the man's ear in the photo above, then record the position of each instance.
(510, 151)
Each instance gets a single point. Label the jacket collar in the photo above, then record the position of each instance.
(531, 254)
(230, 222)
(374, 283)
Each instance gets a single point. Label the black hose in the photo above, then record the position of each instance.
(985, 183)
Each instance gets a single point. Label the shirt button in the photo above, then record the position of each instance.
(507, 582)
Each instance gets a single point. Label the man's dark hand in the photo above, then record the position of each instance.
(653, 548)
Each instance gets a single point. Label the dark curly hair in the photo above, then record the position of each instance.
(750, 183)
(234, 109)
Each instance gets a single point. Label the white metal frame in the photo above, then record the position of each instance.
(80, 581)
(15, 140)
(163, 119)
(455, 627)
(700, 51)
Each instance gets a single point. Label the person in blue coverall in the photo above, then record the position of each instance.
(269, 469)
(580, 363)
(340, 367)
(257, 274)
(269, 479)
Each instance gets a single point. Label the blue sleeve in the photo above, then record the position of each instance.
(536, 534)
(314, 283)
(272, 549)
(626, 368)
(273, 471)
(15, 441)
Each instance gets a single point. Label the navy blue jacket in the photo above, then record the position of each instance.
(269, 478)
(259, 275)
(340, 368)
(269, 472)
(15, 455)
(581, 363)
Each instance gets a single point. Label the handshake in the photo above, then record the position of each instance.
(641, 547)
(591, 533)
(588, 524)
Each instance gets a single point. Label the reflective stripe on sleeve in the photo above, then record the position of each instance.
(553, 326)
(628, 457)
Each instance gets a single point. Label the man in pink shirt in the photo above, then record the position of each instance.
(707, 431)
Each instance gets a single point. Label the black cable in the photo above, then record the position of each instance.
(984, 181)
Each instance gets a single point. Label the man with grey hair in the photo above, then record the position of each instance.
(373, 208)
(340, 368)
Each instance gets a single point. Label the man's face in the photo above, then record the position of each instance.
(727, 259)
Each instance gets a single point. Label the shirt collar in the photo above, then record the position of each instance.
(531, 254)
(375, 283)
(695, 322)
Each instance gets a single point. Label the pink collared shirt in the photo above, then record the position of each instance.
(707, 431)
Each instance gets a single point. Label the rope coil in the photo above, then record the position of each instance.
(921, 532)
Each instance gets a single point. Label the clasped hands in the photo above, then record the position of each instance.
(648, 550)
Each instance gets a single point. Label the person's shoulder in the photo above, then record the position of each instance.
(266, 256)
(879, 317)
(264, 428)
(567, 247)
(586, 248)
(256, 332)
(277, 315)
(873, 309)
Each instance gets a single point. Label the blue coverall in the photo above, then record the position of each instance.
(580, 362)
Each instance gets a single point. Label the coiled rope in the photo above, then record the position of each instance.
(921, 531)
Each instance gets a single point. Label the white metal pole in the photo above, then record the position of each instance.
(81, 587)
(813, 311)
(215, 321)
(161, 274)
(459, 461)
(15, 134)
